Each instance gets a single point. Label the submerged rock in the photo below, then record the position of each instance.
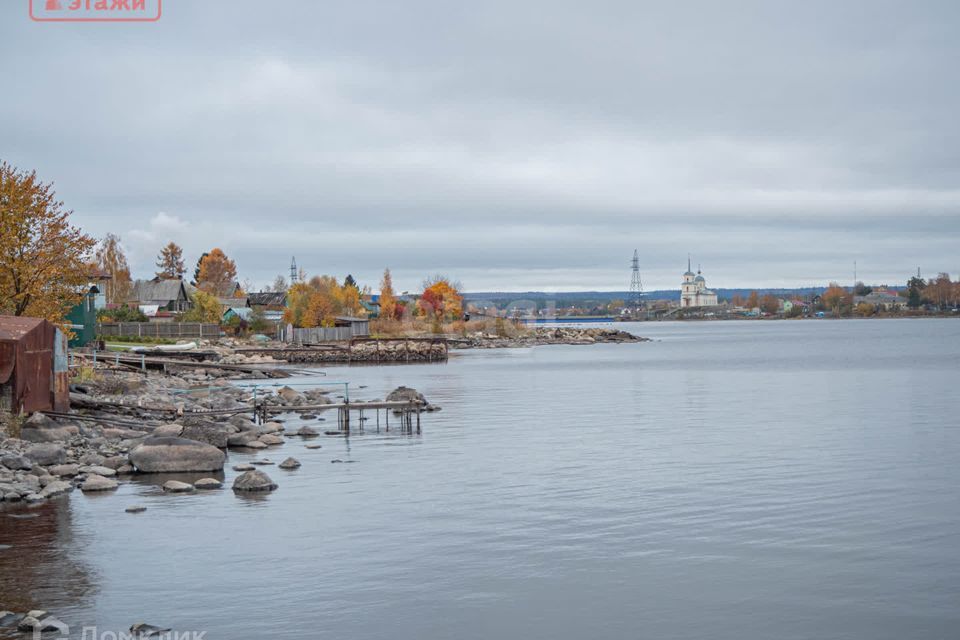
(169, 454)
(290, 463)
(207, 484)
(135, 508)
(175, 486)
(254, 481)
(243, 467)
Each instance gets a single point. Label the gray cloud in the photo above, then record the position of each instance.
(514, 145)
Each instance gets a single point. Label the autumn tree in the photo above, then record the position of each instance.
(43, 257)
(217, 273)
(754, 300)
(318, 302)
(769, 304)
(836, 298)
(112, 260)
(170, 262)
(388, 301)
(940, 291)
(441, 300)
(206, 308)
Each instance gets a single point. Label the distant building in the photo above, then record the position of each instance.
(168, 295)
(270, 299)
(886, 300)
(694, 292)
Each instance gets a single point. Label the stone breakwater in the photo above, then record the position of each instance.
(414, 350)
(547, 336)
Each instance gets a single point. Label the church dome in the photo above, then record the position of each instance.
(699, 278)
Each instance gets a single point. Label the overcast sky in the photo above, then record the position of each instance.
(522, 145)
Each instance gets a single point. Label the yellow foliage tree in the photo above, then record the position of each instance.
(217, 273)
(388, 300)
(318, 302)
(836, 298)
(112, 260)
(43, 258)
(206, 308)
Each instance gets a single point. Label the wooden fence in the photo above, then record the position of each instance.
(316, 335)
(158, 329)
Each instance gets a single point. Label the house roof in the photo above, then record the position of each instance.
(13, 328)
(235, 303)
(153, 291)
(241, 312)
(267, 299)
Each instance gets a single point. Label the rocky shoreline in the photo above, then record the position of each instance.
(126, 424)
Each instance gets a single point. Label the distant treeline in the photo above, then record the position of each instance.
(594, 298)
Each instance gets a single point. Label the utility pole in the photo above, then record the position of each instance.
(293, 271)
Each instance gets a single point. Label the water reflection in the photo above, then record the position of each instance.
(44, 568)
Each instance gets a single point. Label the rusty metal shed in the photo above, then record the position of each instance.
(30, 371)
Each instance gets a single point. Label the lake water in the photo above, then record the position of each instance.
(728, 480)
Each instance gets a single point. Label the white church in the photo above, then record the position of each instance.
(694, 292)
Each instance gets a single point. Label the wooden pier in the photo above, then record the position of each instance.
(407, 413)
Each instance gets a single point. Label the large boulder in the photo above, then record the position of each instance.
(46, 454)
(40, 428)
(170, 454)
(290, 396)
(406, 394)
(55, 488)
(242, 439)
(255, 480)
(68, 470)
(168, 430)
(16, 462)
(98, 483)
(243, 423)
(210, 433)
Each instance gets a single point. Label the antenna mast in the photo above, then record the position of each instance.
(293, 270)
(636, 286)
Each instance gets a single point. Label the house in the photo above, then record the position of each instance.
(232, 303)
(169, 295)
(33, 366)
(243, 313)
(270, 299)
(885, 300)
(83, 318)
